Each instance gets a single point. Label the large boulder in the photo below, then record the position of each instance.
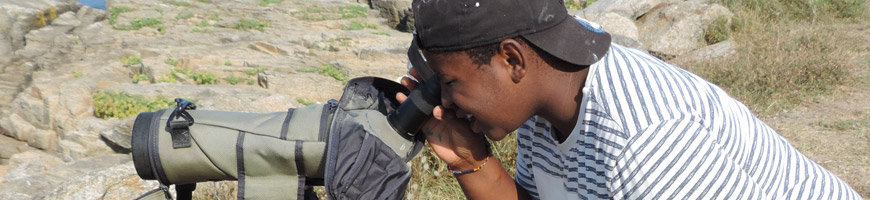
(674, 29)
(397, 12)
(112, 175)
(622, 29)
(721, 50)
(631, 9)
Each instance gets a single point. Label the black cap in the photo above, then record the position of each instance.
(451, 25)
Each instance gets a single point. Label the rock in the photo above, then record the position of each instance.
(675, 29)
(20, 17)
(268, 49)
(30, 163)
(117, 182)
(397, 12)
(631, 9)
(263, 79)
(16, 127)
(67, 19)
(721, 50)
(88, 15)
(119, 135)
(109, 174)
(10, 147)
(626, 41)
(616, 24)
(380, 52)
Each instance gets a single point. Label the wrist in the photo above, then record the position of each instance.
(471, 160)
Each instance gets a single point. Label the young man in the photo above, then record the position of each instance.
(594, 120)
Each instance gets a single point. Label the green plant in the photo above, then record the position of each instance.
(267, 2)
(352, 11)
(139, 77)
(77, 74)
(170, 61)
(255, 71)
(198, 30)
(382, 33)
(228, 63)
(248, 24)
(179, 3)
(307, 69)
(205, 78)
(204, 1)
(131, 60)
(577, 4)
(331, 71)
(214, 16)
(122, 105)
(304, 101)
(355, 25)
(115, 11)
(232, 80)
(184, 15)
(250, 82)
(138, 23)
(202, 24)
(717, 31)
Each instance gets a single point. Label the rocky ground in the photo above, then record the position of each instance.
(265, 56)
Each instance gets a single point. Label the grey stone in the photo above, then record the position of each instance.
(626, 41)
(631, 9)
(88, 15)
(675, 29)
(67, 19)
(117, 182)
(30, 163)
(720, 50)
(120, 135)
(617, 24)
(397, 12)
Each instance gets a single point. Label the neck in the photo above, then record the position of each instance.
(562, 105)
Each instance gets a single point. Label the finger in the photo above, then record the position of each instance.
(401, 97)
(413, 72)
(437, 112)
(408, 83)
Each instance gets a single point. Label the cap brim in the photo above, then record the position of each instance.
(572, 42)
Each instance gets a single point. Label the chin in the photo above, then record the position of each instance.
(496, 135)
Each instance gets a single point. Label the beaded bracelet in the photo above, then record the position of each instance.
(488, 154)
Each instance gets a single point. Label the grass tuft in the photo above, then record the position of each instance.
(267, 2)
(170, 61)
(304, 101)
(717, 31)
(115, 11)
(353, 11)
(122, 105)
(248, 24)
(131, 60)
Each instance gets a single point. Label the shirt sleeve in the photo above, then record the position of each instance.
(679, 159)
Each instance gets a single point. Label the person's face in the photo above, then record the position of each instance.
(485, 92)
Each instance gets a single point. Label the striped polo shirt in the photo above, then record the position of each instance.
(649, 130)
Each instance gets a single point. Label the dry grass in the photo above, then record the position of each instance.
(784, 57)
(431, 180)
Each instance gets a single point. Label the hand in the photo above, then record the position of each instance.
(451, 138)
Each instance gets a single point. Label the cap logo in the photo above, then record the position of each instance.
(591, 26)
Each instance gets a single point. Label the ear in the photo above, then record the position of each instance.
(515, 60)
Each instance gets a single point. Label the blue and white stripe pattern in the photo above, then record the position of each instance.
(649, 130)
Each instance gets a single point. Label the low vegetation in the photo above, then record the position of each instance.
(232, 79)
(249, 24)
(122, 105)
(267, 2)
(327, 70)
(304, 101)
(115, 11)
(131, 60)
(786, 56)
(170, 61)
(356, 25)
(179, 3)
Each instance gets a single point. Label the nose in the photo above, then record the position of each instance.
(446, 99)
